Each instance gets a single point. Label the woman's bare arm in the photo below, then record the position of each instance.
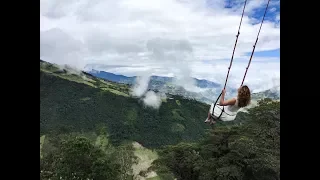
(227, 102)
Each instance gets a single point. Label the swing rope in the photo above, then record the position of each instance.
(234, 48)
(235, 45)
(254, 46)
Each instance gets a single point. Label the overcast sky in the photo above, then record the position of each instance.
(164, 37)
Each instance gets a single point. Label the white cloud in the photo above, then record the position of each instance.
(164, 36)
(152, 99)
(253, 4)
(278, 17)
(273, 9)
(141, 86)
(261, 75)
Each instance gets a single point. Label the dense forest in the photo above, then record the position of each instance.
(248, 152)
(88, 126)
(67, 106)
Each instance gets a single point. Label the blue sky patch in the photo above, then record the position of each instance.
(270, 53)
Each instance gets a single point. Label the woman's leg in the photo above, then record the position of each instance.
(209, 119)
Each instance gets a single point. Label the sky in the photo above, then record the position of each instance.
(183, 38)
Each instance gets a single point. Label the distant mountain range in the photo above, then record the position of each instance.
(273, 93)
(207, 92)
(201, 83)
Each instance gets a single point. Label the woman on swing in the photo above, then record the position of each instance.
(232, 105)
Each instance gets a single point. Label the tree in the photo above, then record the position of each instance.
(78, 158)
(125, 158)
(247, 152)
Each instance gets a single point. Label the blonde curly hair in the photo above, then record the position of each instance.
(244, 96)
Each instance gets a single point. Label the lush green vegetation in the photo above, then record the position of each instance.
(247, 152)
(78, 157)
(68, 106)
(87, 129)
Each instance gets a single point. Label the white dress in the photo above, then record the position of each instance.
(229, 114)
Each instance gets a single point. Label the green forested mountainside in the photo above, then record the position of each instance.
(87, 126)
(247, 152)
(250, 151)
(71, 106)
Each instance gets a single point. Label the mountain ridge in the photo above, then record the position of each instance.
(207, 92)
(210, 89)
(202, 83)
